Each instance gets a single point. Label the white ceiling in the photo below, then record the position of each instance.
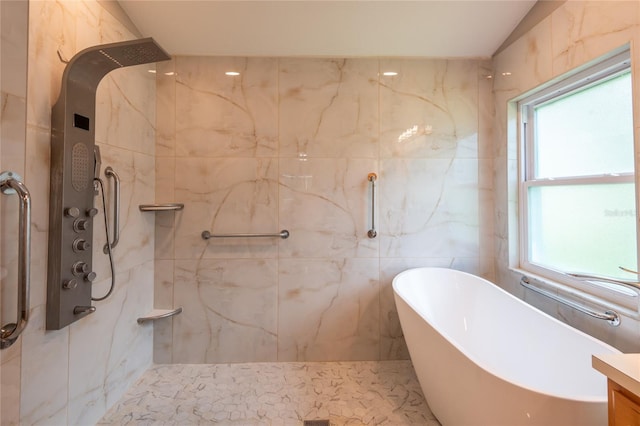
(446, 28)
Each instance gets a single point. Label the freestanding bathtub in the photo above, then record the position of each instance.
(484, 357)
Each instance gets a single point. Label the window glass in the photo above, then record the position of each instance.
(588, 132)
(583, 228)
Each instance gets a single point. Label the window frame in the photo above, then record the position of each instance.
(615, 64)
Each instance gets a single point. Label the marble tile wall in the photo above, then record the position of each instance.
(574, 34)
(288, 144)
(71, 376)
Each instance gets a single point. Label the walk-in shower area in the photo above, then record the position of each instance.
(199, 238)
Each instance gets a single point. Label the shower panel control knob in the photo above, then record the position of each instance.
(81, 245)
(90, 277)
(80, 225)
(69, 284)
(79, 268)
(72, 212)
(92, 212)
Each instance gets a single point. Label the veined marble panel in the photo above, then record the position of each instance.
(44, 372)
(126, 109)
(222, 115)
(10, 366)
(137, 186)
(526, 63)
(339, 302)
(437, 213)
(14, 41)
(166, 109)
(326, 204)
(108, 349)
(226, 196)
(163, 299)
(52, 27)
(583, 30)
(165, 221)
(229, 311)
(429, 109)
(328, 108)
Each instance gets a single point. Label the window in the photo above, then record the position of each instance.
(577, 187)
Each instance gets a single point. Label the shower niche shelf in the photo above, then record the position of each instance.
(164, 207)
(157, 314)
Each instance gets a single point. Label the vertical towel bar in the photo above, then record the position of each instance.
(372, 178)
(109, 172)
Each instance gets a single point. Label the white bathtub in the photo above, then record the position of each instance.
(484, 357)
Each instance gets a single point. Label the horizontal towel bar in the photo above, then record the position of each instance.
(157, 314)
(160, 207)
(610, 316)
(284, 234)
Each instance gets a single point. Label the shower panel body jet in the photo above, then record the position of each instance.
(73, 167)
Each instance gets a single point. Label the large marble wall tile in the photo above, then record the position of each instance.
(163, 299)
(430, 109)
(126, 110)
(326, 205)
(232, 195)
(45, 371)
(108, 350)
(229, 311)
(12, 131)
(52, 28)
(328, 108)
(165, 221)
(137, 186)
(14, 17)
(166, 109)
(328, 310)
(527, 62)
(584, 30)
(10, 367)
(226, 116)
(438, 219)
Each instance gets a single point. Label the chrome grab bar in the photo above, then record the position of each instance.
(371, 177)
(610, 316)
(10, 183)
(284, 234)
(109, 172)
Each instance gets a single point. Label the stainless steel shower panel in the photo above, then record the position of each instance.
(73, 167)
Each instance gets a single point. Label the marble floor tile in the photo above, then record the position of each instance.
(346, 393)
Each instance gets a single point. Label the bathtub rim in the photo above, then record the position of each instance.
(482, 365)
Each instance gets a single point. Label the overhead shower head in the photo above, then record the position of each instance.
(90, 65)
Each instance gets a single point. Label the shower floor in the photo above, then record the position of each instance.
(346, 393)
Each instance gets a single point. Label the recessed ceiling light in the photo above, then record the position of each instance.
(152, 71)
(507, 73)
(389, 73)
(232, 73)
